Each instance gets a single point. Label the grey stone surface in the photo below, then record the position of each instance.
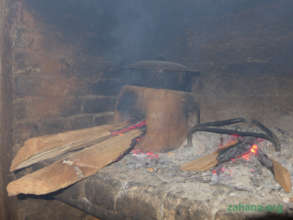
(141, 188)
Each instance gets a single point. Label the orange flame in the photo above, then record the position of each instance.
(252, 150)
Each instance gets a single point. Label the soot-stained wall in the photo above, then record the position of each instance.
(5, 109)
(66, 57)
(201, 32)
(242, 48)
(55, 87)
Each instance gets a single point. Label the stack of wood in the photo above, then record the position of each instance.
(97, 148)
(81, 153)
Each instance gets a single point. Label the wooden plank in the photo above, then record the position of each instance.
(206, 162)
(46, 147)
(282, 176)
(73, 168)
(202, 164)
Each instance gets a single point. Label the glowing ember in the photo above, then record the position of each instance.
(126, 129)
(141, 154)
(252, 151)
(246, 156)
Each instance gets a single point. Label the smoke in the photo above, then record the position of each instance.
(129, 30)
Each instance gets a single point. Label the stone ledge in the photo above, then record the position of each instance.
(117, 192)
(108, 197)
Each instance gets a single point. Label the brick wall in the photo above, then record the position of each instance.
(264, 97)
(55, 87)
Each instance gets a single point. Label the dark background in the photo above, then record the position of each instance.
(190, 32)
(62, 62)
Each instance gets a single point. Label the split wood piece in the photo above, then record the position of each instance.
(169, 114)
(282, 176)
(202, 164)
(46, 147)
(73, 168)
(206, 162)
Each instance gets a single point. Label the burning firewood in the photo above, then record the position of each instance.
(214, 127)
(281, 174)
(238, 149)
